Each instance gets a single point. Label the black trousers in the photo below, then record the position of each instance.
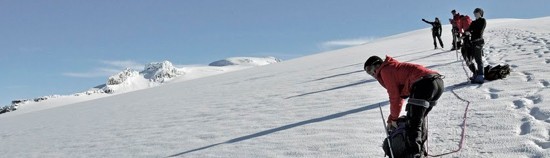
(470, 53)
(438, 36)
(428, 89)
(456, 36)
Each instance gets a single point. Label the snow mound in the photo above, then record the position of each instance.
(122, 76)
(245, 61)
(160, 71)
(153, 74)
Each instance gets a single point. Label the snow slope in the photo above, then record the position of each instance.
(152, 75)
(321, 105)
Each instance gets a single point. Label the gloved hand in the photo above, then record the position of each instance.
(423, 20)
(391, 125)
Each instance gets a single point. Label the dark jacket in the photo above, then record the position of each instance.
(436, 27)
(477, 28)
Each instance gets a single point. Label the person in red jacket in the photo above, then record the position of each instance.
(403, 80)
(455, 21)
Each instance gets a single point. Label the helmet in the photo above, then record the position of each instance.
(372, 64)
(453, 11)
(479, 10)
(373, 60)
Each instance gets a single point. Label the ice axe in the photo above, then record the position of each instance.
(387, 132)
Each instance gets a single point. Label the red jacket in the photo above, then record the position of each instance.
(456, 20)
(465, 22)
(397, 78)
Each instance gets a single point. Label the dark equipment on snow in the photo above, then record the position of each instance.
(398, 140)
(497, 72)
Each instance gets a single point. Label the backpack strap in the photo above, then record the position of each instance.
(422, 102)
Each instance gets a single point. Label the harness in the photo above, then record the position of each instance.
(423, 102)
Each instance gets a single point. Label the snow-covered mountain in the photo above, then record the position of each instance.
(152, 75)
(245, 61)
(322, 105)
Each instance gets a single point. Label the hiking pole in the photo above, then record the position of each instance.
(387, 133)
(456, 47)
(457, 56)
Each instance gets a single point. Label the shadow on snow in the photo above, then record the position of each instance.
(337, 75)
(289, 126)
(335, 88)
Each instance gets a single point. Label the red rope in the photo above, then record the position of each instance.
(463, 126)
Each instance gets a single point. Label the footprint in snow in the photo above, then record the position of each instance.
(535, 99)
(528, 76)
(543, 144)
(544, 83)
(520, 103)
(525, 128)
(493, 93)
(539, 114)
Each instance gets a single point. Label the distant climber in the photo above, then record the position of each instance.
(436, 31)
(455, 31)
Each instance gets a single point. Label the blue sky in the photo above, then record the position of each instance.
(67, 46)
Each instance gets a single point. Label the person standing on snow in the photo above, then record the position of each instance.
(403, 80)
(474, 51)
(455, 31)
(436, 31)
(467, 47)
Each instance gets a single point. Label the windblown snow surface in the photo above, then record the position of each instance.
(322, 105)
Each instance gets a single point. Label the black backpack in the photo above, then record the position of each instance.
(399, 141)
(497, 72)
